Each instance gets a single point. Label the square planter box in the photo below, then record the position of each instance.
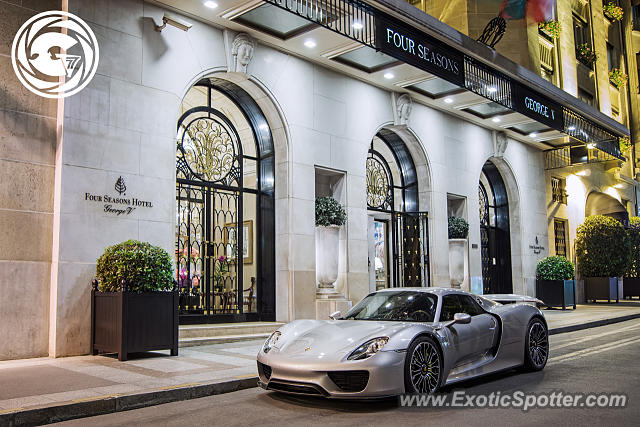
(129, 322)
(631, 287)
(601, 288)
(557, 293)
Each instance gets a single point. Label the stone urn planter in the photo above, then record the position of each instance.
(457, 251)
(327, 257)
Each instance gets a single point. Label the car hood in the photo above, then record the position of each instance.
(331, 340)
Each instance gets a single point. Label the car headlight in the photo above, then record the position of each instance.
(368, 349)
(271, 341)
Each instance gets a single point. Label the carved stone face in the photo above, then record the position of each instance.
(245, 53)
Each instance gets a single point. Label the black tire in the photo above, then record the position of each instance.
(536, 345)
(427, 374)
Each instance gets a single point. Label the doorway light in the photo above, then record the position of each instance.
(310, 43)
(388, 76)
(211, 4)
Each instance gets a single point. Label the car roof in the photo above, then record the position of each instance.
(435, 290)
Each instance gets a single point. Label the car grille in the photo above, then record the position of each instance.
(298, 388)
(350, 380)
(264, 370)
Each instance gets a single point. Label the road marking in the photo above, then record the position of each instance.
(88, 399)
(595, 350)
(246, 376)
(6, 411)
(581, 340)
(171, 387)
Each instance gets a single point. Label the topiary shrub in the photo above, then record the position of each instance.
(141, 266)
(329, 212)
(633, 268)
(554, 268)
(458, 228)
(602, 247)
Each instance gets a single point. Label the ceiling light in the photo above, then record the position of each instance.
(571, 128)
(496, 120)
(585, 172)
(619, 185)
(211, 4)
(448, 100)
(388, 76)
(310, 44)
(591, 146)
(357, 25)
(533, 134)
(492, 89)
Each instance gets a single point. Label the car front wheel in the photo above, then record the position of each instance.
(536, 345)
(423, 366)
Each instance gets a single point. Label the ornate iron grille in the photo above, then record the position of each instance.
(557, 190)
(412, 251)
(487, 235)
(583, 130)
(560, 237)
(483, 201)
(379, 183)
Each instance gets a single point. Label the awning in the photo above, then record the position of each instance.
(380, 30)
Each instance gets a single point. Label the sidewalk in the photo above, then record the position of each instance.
(38, 390)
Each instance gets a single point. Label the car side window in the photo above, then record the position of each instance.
(450, 306)
(470, 306)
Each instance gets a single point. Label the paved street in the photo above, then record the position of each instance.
(597, 360)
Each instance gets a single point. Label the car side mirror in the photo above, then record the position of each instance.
(461, 318)
(336, 315)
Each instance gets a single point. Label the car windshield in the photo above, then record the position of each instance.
(410, 306)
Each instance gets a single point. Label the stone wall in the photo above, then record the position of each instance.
(27, 158)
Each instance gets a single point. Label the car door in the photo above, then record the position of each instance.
(469, 340)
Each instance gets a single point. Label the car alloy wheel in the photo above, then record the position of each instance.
(424, 366)
(537, 345)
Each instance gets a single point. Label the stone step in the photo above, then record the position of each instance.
(192, 342)
(249, 329)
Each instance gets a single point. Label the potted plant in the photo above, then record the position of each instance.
(458, 232)
(612, 11)
(618, 78)
(586, 55)
(134, 301)
(632, 274)
(554, 282)
(551, 28)
(330, 216)
(602, 251)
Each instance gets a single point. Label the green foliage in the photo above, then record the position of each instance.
(142, 266)
(625, 145)
(602, 247)
(554, 268)
(613, 11)
(552, 28)
(458, 228)
(633, 268)
(329, 212)
(586, 55)
(617, 77)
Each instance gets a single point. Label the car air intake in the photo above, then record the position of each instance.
(351, 381)
(264, 370)
(297, 388)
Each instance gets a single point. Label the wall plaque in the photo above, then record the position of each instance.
(118, 203)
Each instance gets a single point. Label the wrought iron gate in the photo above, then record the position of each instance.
(411, 249)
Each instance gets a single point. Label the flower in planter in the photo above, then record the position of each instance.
(613, 11)
(551, 28)
(617, 77)
(554, 268)
(458, 228)
(586, 55)
(329, 212)
(141, 266)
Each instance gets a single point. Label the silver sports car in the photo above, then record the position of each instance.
(403, 340)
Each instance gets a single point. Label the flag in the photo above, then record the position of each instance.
(533, 10)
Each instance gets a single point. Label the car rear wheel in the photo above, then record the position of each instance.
(423, 366)
(536, 345)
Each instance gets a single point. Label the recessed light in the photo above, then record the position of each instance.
(571, 128)
(585, 172)
(310, 44)
(357, 25)
(619, 185)
(211, 4)
(591, 146)
(388, 76)
(496, 120)
(533, 134)
(448, 100)
(492, 89)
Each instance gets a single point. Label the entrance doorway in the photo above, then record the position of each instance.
(398, 232)
(224, 202)
(494, 232)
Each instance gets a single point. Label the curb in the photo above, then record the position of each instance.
(115, 403)
(594, 324)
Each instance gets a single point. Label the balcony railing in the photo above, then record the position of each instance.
(574, 155)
